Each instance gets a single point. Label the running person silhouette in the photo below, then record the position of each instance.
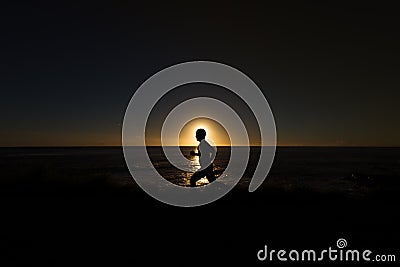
(206, 155)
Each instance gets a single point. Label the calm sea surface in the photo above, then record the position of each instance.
(349, 170)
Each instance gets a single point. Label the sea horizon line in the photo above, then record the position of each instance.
(282, 146)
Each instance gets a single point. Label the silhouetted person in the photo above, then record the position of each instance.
(206, 155)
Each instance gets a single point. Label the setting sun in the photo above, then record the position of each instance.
(215, 132)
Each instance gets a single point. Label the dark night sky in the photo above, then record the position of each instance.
(329, 70)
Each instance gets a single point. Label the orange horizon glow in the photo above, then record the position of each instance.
(112, 138)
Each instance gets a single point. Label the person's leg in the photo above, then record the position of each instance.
(195, 177)
(210, 174)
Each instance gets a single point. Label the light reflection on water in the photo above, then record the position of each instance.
(194, 165)
(177, 176)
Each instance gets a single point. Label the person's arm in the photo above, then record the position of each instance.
(213, 152)
(192, 153)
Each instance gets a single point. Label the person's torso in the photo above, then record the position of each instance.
(206, 153)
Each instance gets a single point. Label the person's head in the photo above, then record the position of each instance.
(200, 134)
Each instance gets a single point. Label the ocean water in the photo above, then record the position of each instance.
(354, 171)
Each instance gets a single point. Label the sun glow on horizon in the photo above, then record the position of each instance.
(214, 132)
